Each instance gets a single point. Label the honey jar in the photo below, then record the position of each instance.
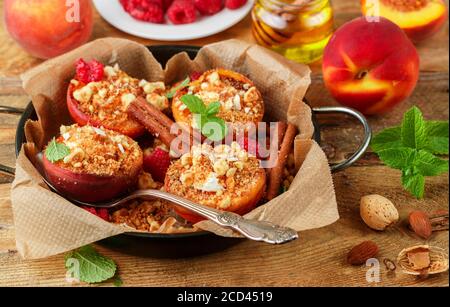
(297, 29)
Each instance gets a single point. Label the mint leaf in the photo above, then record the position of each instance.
(203, 121)
(429, 165)
(413, 129)
(436, 134)
(213, 108)
(437, 137)
(215, 129)
(204, 118)
(437, 128)
(56, 151)
(180, 86)
(414, 183)
(387, 139)
(194, 104)
(398, 158)
(412, 148)
(89, 265)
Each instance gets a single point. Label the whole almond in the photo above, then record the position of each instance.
(420, 223)
(378, 212)
(362, 252)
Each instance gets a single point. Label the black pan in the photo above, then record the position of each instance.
(187, 244)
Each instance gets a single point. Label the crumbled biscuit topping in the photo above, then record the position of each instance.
(146, 181)
(213, 176)
(107, 100)
(240, 102)
(98, 151)
(142, 215)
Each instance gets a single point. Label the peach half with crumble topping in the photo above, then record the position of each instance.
(92, 164)
(102, 100)
(225, 177)
(241, 102)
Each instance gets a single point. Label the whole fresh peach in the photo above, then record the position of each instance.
(419, 19)
(47, 28)
(370, 66)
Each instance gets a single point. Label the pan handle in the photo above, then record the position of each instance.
(367, 134)
(7, 169)
(9, 110)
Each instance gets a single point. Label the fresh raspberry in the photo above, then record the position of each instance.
(145, 10)
(234, 4)
(103, 213)
(195, 75)
(208, 7)
(157, 2)
(182, 11)
(125, 4)
(100, 212)
(157, 164)
(130, 5)
(166, 4)
(90, 209)
(89, 72)
(153, 13)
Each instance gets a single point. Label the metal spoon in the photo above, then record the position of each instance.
(251, 229)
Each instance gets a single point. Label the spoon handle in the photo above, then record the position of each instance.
(252, 229)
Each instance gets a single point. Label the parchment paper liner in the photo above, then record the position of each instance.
(46, 224)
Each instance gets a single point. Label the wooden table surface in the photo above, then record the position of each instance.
(317, 258)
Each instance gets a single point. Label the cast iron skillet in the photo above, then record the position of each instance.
(185, 244)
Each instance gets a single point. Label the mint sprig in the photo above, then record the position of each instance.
(412, 148)
(211, 126)
(437, 133)
(56, 151)
(87, 265)
(175, 89)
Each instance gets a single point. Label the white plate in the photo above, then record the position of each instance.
(112, 12)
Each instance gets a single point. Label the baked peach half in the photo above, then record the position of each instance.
(419, 19)
(92, 164)
(224, 177)
(241, 102)
(104, 101)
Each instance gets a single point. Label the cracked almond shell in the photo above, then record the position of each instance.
(438, 260)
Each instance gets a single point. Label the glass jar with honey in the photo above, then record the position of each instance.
(298, 29)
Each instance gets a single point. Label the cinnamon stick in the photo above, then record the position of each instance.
(276, 173)
(153, 112)
(282, 126)
(281, 130)
(159, 125)
(139, 111)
